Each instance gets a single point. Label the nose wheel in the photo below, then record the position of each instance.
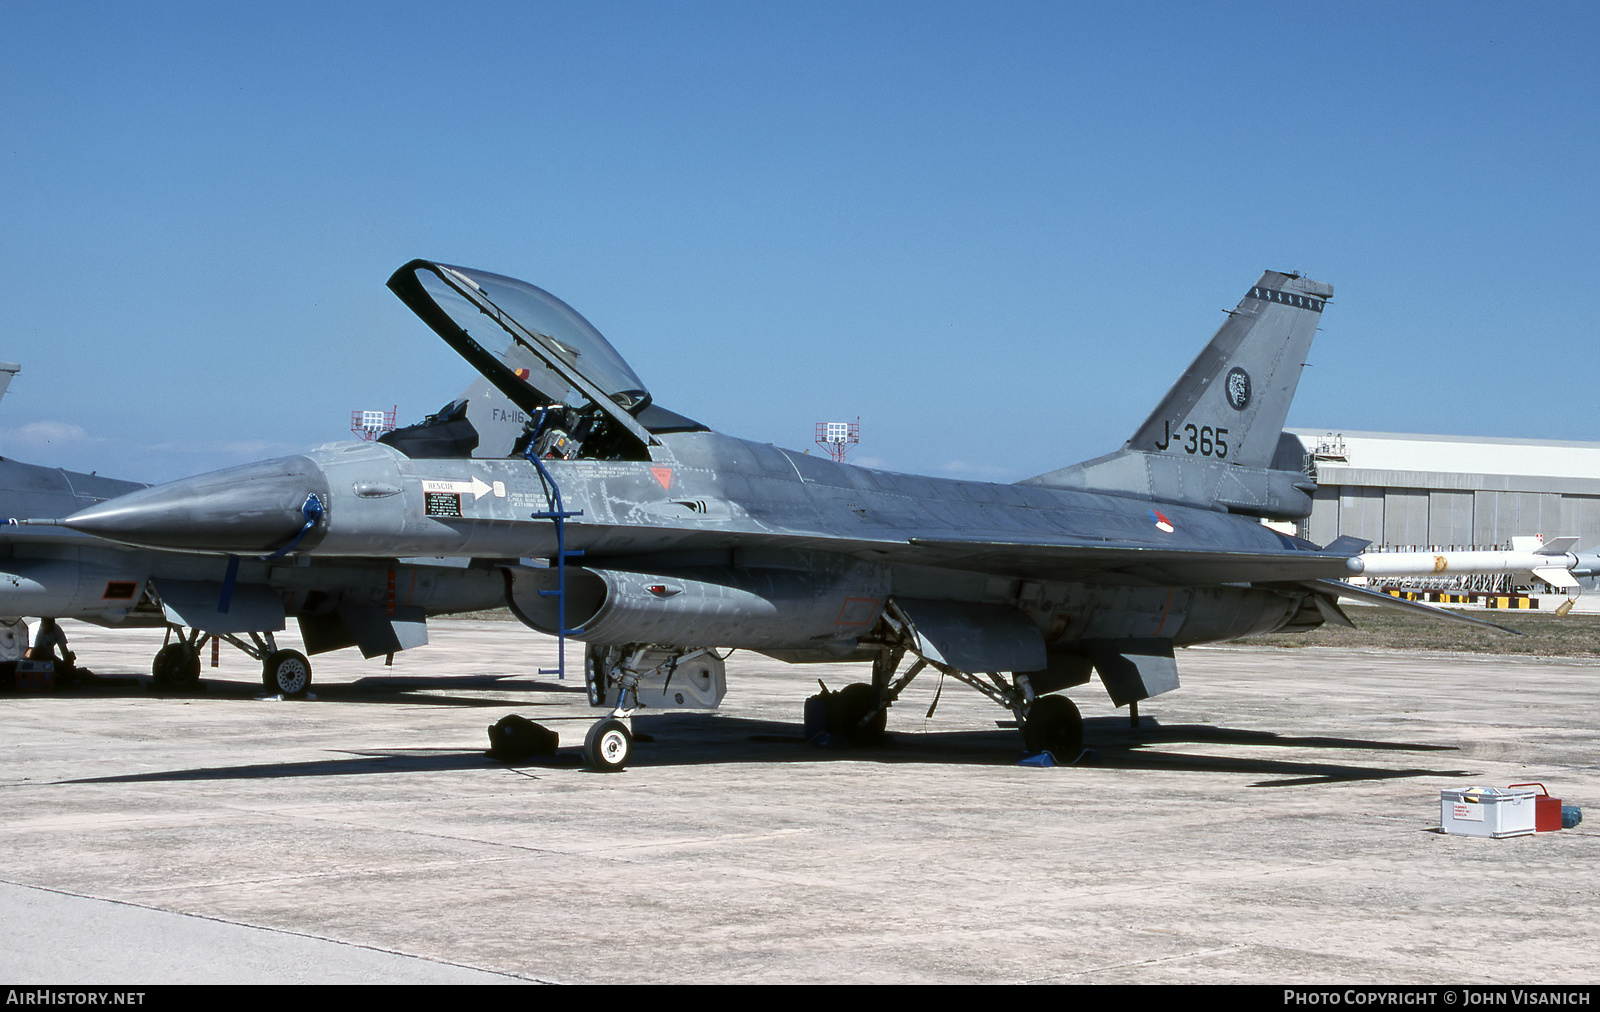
(608, 746)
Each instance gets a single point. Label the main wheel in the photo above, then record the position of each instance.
(176, 665)
(1054, 725)
(608, 746)
(847, 714)
(286, 672)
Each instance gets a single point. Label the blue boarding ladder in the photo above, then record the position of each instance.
(556, 513)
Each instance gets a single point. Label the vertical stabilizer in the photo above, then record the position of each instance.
(8, 371)
(1212, 439)
(1239, 388)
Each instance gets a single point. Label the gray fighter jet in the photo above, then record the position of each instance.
(53, 572)
(659, 543)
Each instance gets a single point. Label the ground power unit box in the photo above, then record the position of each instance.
(1495, 812)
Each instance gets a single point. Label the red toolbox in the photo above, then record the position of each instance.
(1546, 810)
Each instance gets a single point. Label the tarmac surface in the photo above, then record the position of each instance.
(1275, 820)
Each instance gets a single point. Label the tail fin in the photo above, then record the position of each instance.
(481, 423)
(8, 370)
(1214, 437)
(1242, 383)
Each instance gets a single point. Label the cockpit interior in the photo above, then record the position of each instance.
(579, 397)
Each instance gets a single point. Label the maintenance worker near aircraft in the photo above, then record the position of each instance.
(660, 543)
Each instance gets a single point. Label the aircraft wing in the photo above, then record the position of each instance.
(1134, 564)
(1100, 561)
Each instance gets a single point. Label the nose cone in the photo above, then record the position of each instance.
(248, 509)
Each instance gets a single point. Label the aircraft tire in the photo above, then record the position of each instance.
(286, 673)
(849, 706)
(608, 746)
(177, 665)
(1054, 725)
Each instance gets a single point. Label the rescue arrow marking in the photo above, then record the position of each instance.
(476, 487)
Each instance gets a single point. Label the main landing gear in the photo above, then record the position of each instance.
(858, 712)
(1053, 724)
(284, 673)
(177, 665)
(1049, 723)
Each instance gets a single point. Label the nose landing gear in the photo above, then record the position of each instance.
(608, 746)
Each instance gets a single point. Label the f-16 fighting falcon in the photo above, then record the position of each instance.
(51, 573)
(659, 543)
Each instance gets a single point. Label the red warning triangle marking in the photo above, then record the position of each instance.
(663, 475)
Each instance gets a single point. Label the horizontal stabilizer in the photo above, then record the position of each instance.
(1344, 544)
(1377, 597)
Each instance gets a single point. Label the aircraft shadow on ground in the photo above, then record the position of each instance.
(1111, 744)
(386, 761)
(407, 689)
(669, 740)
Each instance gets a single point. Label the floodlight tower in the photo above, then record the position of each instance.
(369, 425)
(838, 437)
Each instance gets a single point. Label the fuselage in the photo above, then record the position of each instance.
(769, 548)
(707, 491)
(63, 573)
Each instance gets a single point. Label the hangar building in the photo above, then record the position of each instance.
(1416, 493)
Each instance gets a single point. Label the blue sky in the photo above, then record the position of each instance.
(995, 232)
